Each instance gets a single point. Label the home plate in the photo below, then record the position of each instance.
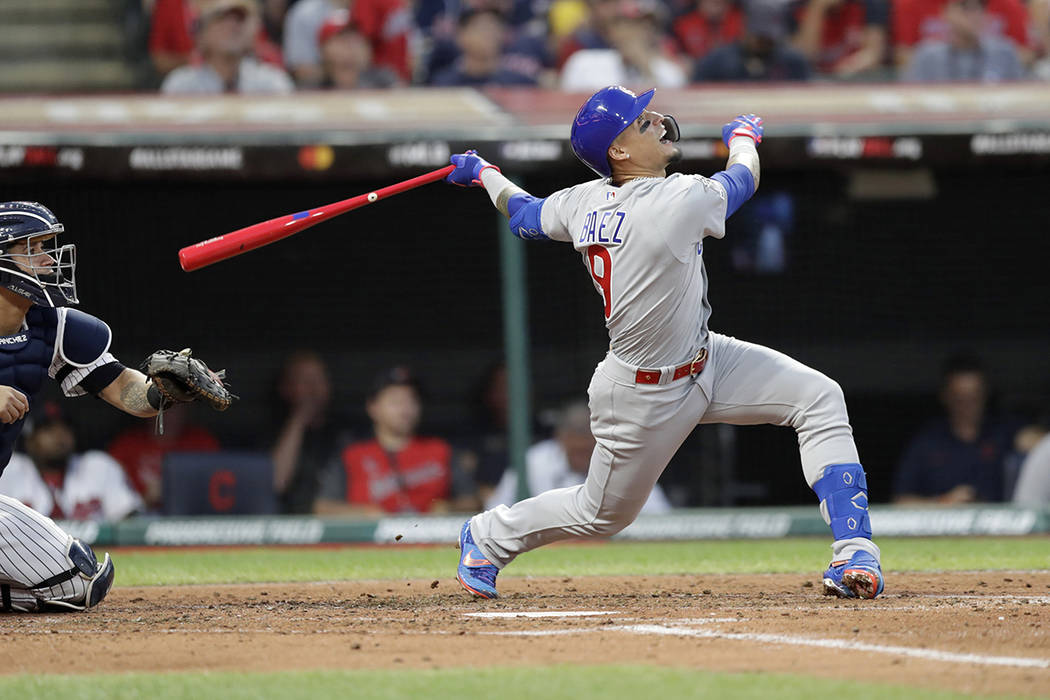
(551, 613)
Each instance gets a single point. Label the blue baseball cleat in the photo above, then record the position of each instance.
(860, 577)
(475, 573)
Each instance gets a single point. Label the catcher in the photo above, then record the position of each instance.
(42, 568)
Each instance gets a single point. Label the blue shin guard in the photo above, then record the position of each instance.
(843, 494)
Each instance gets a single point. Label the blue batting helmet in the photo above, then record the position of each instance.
(45, 277)
(601, 119)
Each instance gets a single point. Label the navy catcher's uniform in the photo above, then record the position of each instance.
(641, 239)
(71, 347)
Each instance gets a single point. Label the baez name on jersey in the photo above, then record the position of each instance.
(603, 227)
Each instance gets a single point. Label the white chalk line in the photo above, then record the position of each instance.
(679, 629)
(544, 613)
(587, 613)
(930, 654)
(990, 597)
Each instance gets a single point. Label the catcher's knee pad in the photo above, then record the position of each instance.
(90, 580)
(843, 494)
(83, 585)
(83, 558)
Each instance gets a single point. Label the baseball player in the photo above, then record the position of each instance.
(641, 235)
(41, 566)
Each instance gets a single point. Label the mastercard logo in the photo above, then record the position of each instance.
(316, 157)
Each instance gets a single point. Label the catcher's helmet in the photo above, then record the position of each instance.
(601, 119)
(46, 277)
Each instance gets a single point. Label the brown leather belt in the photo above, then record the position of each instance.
(652, 376)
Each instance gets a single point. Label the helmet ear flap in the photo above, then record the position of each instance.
(673, 132)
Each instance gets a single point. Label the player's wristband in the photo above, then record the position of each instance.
(742, 151)
(485, 167)
(742, 141)
(496, 185)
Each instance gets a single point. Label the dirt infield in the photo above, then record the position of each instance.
(976, 632)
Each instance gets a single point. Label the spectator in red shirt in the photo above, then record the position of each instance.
(842, 37)
(709, 25)
(141, 451)
(396, 471)
(346, 55)
(385, 23)
(227, 37)
(916, 20)
(174, 24)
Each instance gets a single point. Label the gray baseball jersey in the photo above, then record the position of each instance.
(642, 244)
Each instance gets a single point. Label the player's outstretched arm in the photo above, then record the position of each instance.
(521, 208)
(741, 176)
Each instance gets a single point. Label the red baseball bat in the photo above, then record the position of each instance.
(213, 250)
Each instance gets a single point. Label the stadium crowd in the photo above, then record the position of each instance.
(276, 46)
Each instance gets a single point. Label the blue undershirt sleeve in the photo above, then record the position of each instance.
(739, 184)
(524, 210)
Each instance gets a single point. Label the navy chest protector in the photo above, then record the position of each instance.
(26, 356)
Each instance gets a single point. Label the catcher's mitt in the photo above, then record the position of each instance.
(180, 378)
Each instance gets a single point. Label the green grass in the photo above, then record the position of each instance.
(803, 556)
(575, 683)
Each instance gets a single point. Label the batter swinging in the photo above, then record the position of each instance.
(640, 232)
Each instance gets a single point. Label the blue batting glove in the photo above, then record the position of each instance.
(744, 125)
(468, 169)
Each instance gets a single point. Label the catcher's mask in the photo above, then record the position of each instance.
(32, 262)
